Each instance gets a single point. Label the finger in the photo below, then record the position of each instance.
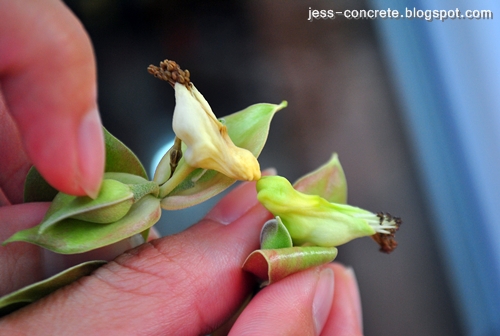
(21, 262)
(48, 79)
(186, 284)
(345, 317)
(296, 305)
(14, 163)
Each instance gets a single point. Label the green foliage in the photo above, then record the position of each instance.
(36, 291)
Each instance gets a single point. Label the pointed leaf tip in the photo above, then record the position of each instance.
(328, 182)
(274, 235)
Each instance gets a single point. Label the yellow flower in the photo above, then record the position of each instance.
(208, 144)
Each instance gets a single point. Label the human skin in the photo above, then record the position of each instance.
(189, 283)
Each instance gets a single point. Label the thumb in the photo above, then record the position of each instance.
(48, 79)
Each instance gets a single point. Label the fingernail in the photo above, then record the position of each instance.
(354, 294)
(323, 299)
(91, 153)
(271, 171)
(235, 204)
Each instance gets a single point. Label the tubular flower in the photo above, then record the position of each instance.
(208, 143)
(312, 220)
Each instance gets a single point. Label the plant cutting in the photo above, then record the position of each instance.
(208, 156)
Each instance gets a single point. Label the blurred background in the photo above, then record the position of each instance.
(410, 106)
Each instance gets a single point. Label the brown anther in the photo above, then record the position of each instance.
(386, 241)
(170, 71)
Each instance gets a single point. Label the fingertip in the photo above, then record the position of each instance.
(69, 154)
(323, 299)
(346, 313)
(49, 82)
(235, 204)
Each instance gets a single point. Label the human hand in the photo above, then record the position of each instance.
(48, 91)
(48, 117)
(190, 283)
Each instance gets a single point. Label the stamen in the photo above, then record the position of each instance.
(171, 72)
(386, 238)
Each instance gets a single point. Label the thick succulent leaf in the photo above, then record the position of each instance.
(125, 178)
(36, 291)
(112, 203)
(36, 189)
(273, 265)
(247, 129)
(274, 235)
(119, 158)
(71, 235)
(328, 181)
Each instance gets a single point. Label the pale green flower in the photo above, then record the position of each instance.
(312, 220)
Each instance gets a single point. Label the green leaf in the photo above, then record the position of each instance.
(273, 265)
(328, 182)
(274, 235)
(247, 129)
(125, 178)
(112, 203)
(36, 291)
(71, 235)
(119, 158)
(36, 189)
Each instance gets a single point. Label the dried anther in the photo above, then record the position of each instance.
(171, 72)
(175, 155)
(387, 241)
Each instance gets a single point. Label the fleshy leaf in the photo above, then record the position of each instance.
(71, 235)
(274, 235)
(273, 265)
(36, 291)
(112, 203)
(119, 158)
(125, 178)
(247, 129)
(36, 189)
(328, 182)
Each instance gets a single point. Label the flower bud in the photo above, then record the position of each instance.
(312, 220)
